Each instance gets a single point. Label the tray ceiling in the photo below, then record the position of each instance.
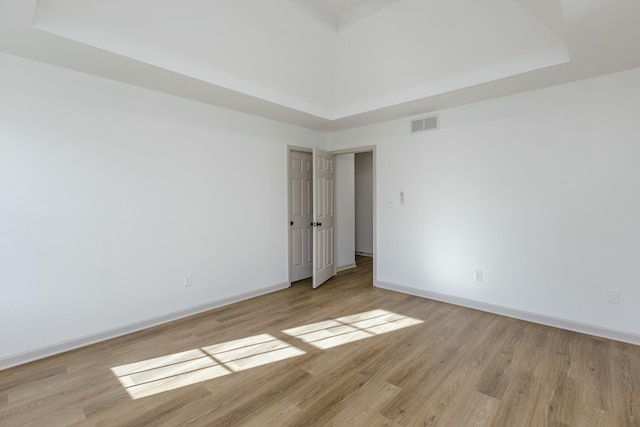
(374, 60)
(341, 13)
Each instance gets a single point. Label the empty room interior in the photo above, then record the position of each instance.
(320, 212)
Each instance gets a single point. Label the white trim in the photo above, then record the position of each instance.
(355, 150)
(372, 149)
(542, 319)
(346, 267)
(361, 253)
(64, 346)
(375, 214)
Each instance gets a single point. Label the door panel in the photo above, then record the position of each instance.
(301, 214)
(323, 217)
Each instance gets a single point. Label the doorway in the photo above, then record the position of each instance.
(363, 172)
(355, 206)
(300, 238)
(311, 211)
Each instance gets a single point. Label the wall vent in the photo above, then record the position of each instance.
(425, 123)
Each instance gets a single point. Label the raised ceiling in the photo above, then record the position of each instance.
(338, 14)
(329, 64)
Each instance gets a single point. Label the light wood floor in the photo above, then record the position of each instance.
(346, 354)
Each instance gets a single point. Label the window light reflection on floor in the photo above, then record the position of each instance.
(153, 376)
(343, 330)
(177, 370)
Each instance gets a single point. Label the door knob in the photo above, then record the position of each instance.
(291, 223)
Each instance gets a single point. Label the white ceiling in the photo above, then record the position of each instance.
(573, 39)
(338, 14)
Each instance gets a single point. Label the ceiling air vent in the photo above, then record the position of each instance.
(425, 123)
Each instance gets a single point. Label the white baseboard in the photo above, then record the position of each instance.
(64, 346)
(542, 319)
(360, 253)
(346, 267)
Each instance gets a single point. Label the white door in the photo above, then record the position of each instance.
(301, 214)
(324, 266)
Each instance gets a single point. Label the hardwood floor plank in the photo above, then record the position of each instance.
(145, 413)
(478, 411)
(364, 407)
(430, 348)
(12, 378)
(530, 366)
(625, 386)
(590, 416)
(346, 386)
(278, 414)
(446, 399)
(499, 371)
(257, 405)
(64, 417)
(346, 354)
(593, 371)
(378, 421)
(557, 402)
(427, 372)
(334, 384)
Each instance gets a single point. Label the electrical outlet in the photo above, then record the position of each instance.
(188, 280)
(477, 275)
(613, 296)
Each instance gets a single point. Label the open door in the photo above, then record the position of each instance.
(324, 266)
(300, 215)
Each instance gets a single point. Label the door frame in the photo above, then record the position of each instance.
(368, 149)
(353, 150)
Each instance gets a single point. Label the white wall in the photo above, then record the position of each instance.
(345, 211)
(364, 202)
(540, 190)
(109, 194)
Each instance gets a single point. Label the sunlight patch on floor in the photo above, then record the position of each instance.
(347, 329)
(160, 374)
(153, 376)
